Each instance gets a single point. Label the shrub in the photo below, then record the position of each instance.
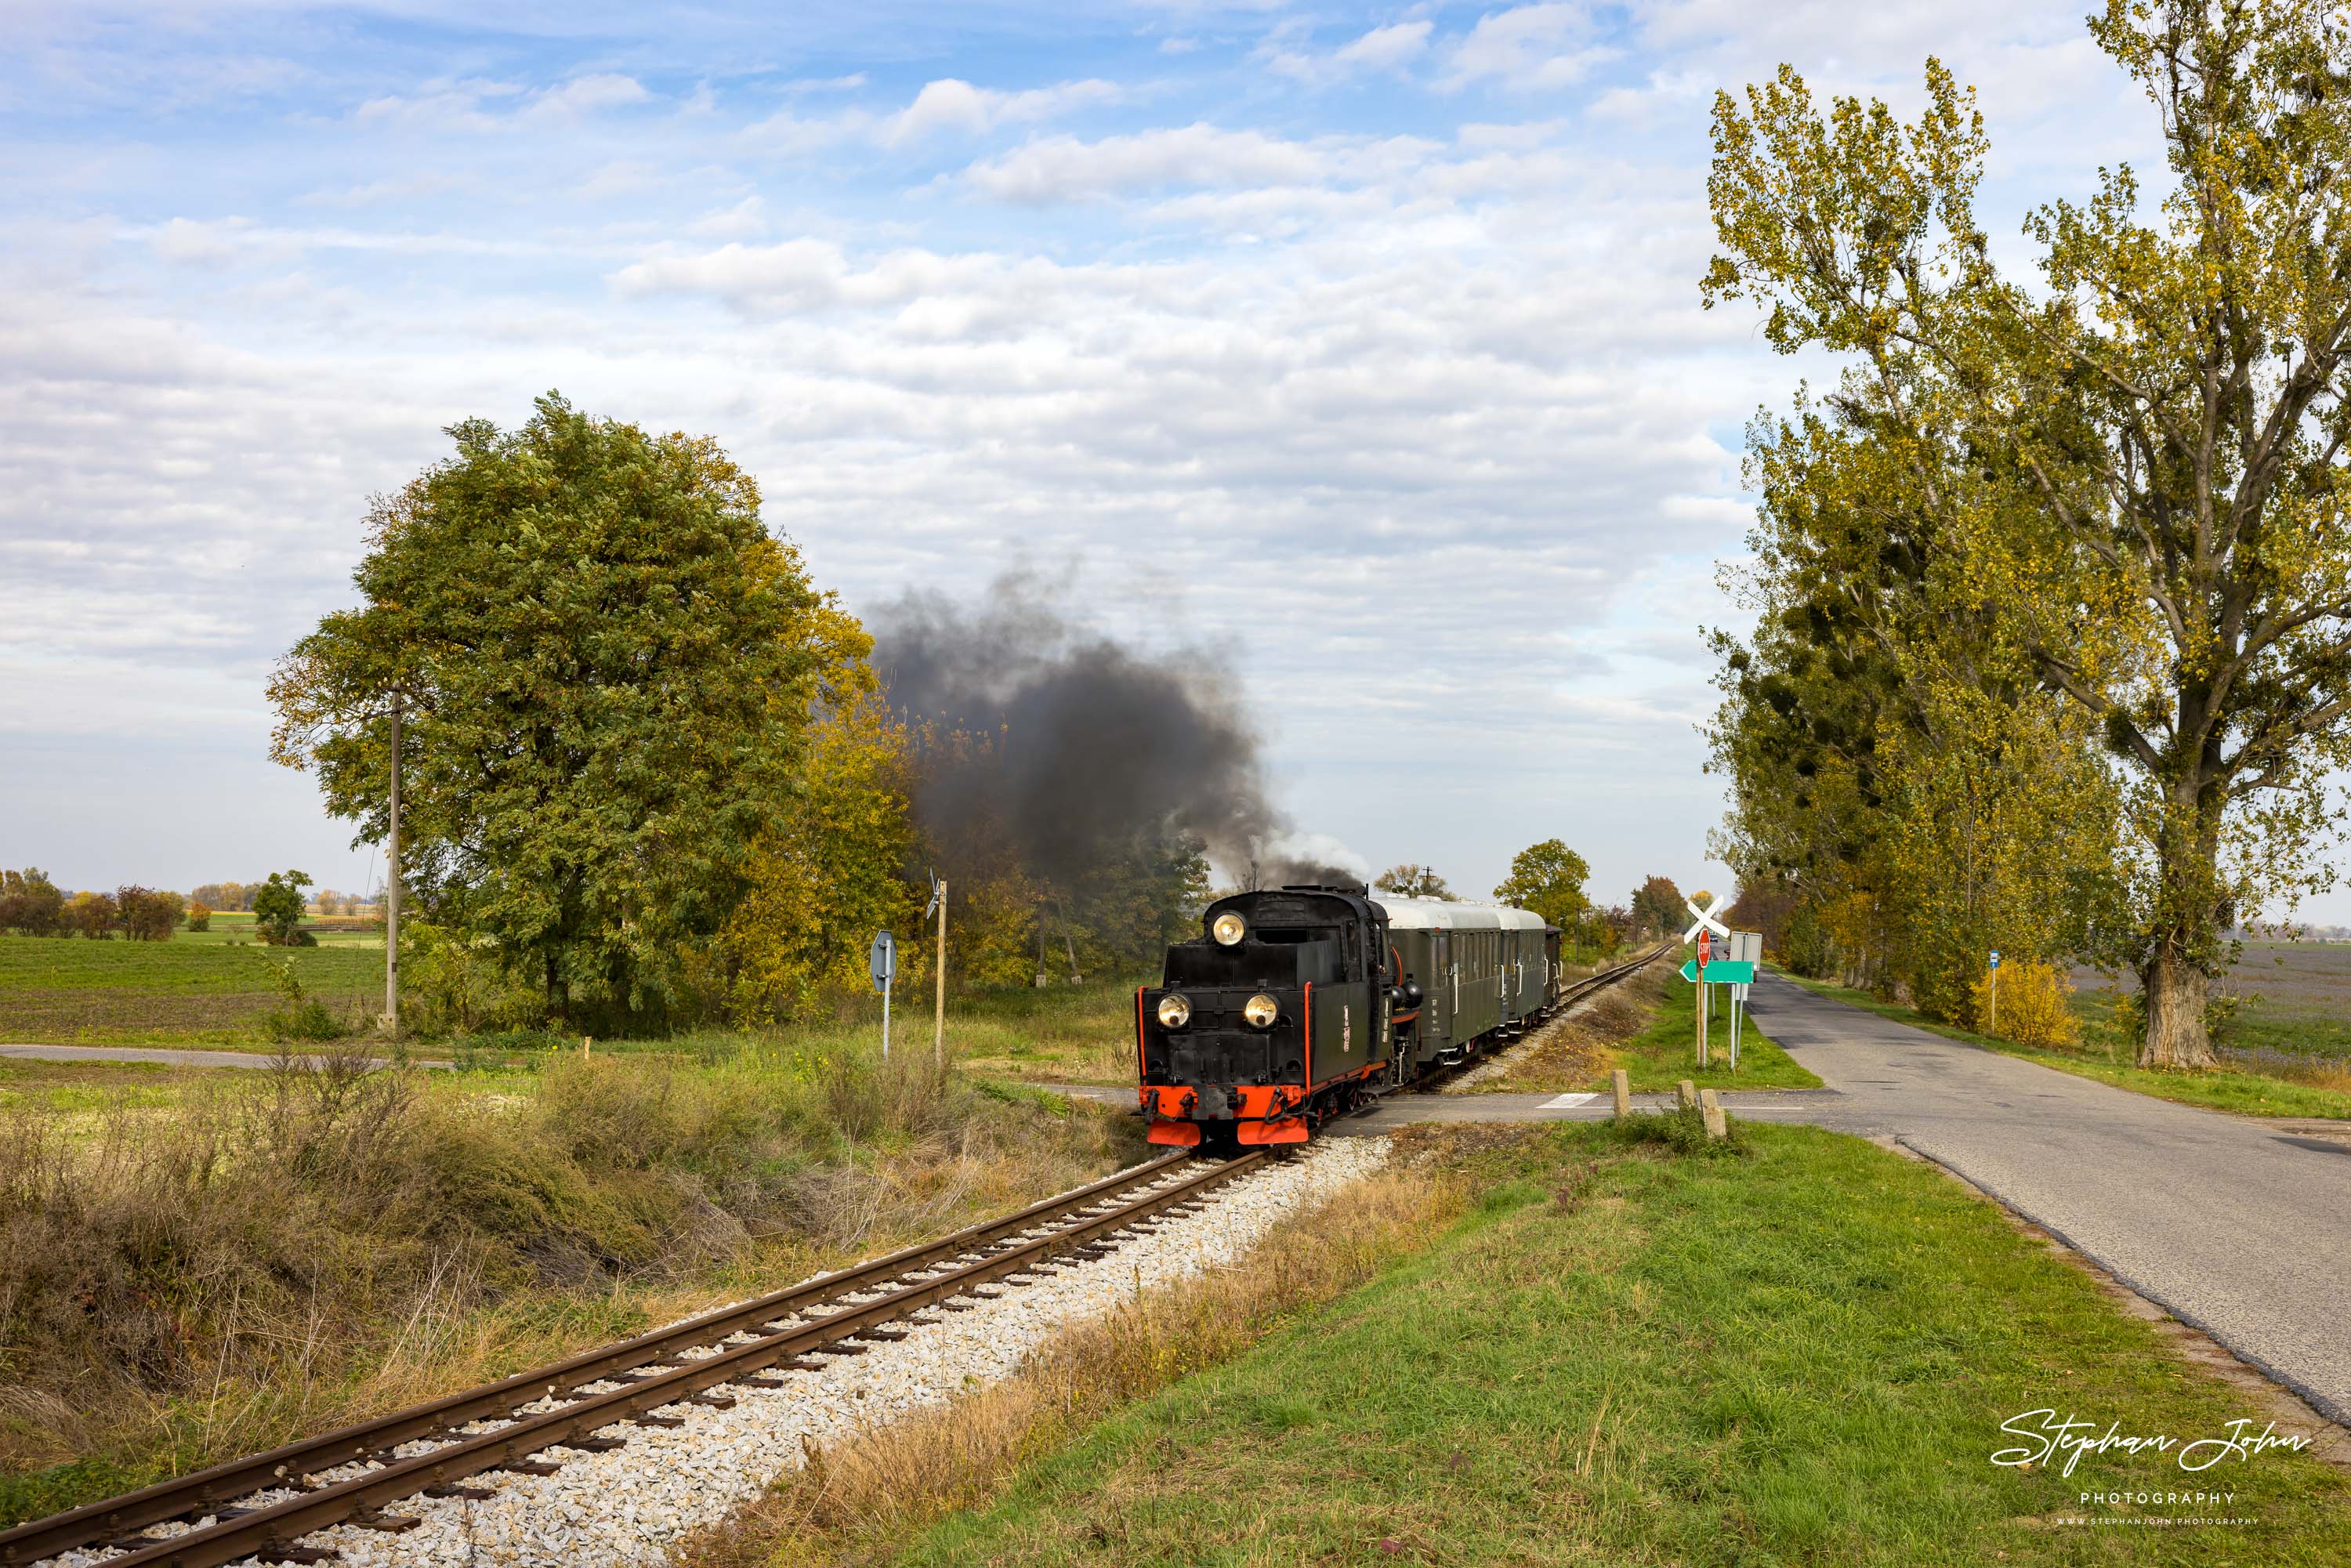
(277, 911)
(147, 913)
(2035, 1006)
(1682, 1128)
(93, 914)
(300, 1016)
(200, 917)
(31, 903)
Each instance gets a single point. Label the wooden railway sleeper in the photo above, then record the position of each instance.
(527, 1431)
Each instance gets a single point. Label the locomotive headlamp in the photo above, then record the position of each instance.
(1260, 1011)
(1174, 1012)
(1228, 929)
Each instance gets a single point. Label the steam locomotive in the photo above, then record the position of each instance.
(1296, 1005)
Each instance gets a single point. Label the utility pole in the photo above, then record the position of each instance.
(392, 887)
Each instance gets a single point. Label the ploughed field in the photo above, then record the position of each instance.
(2292, 1000)
(199, 988)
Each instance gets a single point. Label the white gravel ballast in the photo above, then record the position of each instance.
(629, 1505)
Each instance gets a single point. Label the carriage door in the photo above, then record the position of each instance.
(1439, 998)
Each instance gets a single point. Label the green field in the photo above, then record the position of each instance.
(199, 988)
(1800, 1356)
(2287, 1092)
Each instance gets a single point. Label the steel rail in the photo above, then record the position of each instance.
(200, 1491)
(1568, 996)
(270, 1532)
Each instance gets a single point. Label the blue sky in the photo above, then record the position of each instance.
(1361, 344)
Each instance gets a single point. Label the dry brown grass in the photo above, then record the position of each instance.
(295, 1249)
(1575, 1048)
(858, 1498)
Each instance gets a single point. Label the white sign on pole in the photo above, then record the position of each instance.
(1705, 919)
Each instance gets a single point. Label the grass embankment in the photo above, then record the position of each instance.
(210, 1263)
(1665, 1052)
(2322, 1090)
(1802, 1354)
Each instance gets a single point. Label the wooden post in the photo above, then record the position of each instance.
(392, 889)
(1710, 1107)
(1623, 1088)
(1992, 1027)
(939, 1010)
(1688, 1094)
(1702, 1019)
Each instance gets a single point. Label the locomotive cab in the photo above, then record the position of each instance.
(1273, 1018)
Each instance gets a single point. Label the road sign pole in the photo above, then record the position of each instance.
(885, 1021)
(939, 1013)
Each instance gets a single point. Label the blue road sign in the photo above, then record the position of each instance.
(1721, 972)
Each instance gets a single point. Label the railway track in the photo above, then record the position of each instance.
(589, 1402)
(1600, 981)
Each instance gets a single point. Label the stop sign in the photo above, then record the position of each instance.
(1705, 941)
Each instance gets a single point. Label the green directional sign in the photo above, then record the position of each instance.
(1721, 972)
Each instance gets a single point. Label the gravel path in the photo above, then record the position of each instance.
(629, 1505)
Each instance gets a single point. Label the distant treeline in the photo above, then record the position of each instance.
(34, 905)
(238, 897)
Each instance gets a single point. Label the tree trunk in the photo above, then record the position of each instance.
(2173, 989)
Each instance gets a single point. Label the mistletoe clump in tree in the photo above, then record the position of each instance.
(606, 666)
(2137, 461)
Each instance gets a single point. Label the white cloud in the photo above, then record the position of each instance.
(588, 95)
(1288, 51)
(1385, 48)
(1529, 48)
(478, 105)
(1063, 169)
(953, 104)
(849, 83)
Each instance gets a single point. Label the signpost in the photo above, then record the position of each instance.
(1992, 1025)
(883, 959)
(1704, 939)
(1725, 958)
(939, 1016)
(1701, 931)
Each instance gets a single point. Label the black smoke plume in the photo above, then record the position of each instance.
(1097, 747)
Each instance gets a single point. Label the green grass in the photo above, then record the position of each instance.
(1802, 1355)
(1061, 1034)
(202, 988)
(1665, 1052)
(2107, 1059)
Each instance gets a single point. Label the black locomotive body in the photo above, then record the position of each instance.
(1296, 1005)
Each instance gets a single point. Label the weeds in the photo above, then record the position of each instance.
(304, 1246)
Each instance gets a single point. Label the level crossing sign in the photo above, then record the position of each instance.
(1706, 918)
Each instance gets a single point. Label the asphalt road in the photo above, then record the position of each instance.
(2239, 1226)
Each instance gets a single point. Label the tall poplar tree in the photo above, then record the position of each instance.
(2150, 438)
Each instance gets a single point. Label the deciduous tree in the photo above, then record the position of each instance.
(277, 906)
(1549, 878)
(608, 664)
(2169, 399)
(1411, 880)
